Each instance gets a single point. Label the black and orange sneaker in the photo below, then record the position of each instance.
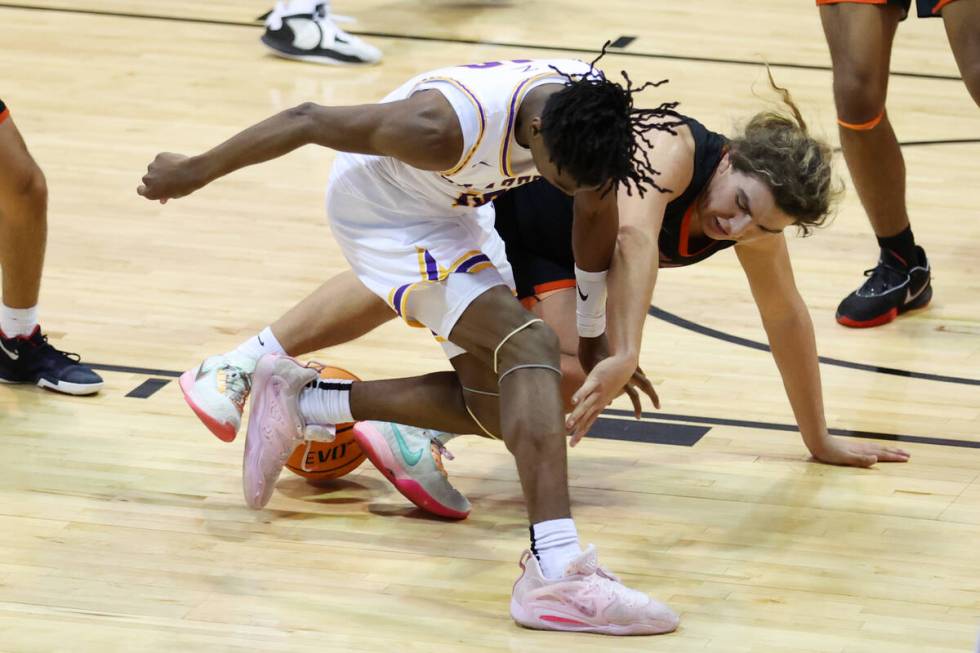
(32, 360)
(892, 288)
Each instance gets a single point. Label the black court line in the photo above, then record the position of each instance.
(502, 44)
(792, 428)
(676, 320)
(655, 431)
(147, 389)
(145, 371)
(622, 42)
(949, 141)
(681, 435)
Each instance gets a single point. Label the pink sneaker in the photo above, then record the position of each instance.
(587, 599)
(275, 426)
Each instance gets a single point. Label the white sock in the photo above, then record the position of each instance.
(247, 354)
(326, 401)
(555, 544)
(17, 321)
(294, 7)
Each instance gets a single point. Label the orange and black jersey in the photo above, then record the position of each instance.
(676, 246)
(535, 222)
(4, 112)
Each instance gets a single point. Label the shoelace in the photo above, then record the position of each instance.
(238, 384)
(880, 278)
(438, 451)
(46, 347)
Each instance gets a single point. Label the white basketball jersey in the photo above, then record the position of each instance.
(486, 98)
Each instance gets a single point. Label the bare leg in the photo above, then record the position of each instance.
(530, 398)
(339, 311)
(23, 219)
(557, 309)
(962, 20)
(860, 39)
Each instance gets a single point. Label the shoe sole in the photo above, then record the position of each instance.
(222, 430)
(920, 302)
(380, 456)
(62, 387)
(314, 59)
(562, 624)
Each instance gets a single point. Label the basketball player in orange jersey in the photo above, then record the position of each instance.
(409, 204)
(25, 355)
(860, 34)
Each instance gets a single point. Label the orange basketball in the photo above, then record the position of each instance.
(327, 460)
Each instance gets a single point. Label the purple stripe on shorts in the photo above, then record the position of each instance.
(396, 301)
(431, 268)
(470, 262)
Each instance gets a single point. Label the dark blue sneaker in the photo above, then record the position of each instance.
(32, 360)
(892, 288)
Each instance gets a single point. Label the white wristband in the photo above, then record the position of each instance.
(590, 303)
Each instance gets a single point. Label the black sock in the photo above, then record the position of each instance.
(902, 247)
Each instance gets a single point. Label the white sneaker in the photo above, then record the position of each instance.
(216, 390)
(314, 36)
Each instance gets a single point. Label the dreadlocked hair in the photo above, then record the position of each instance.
(593, 131)
(778, 150)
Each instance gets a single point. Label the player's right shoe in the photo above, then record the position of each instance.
(892, 288)
(275, 426)
(216, 390)
(587, 599)
(313, 35)
(411, 458)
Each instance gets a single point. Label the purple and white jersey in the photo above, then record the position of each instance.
(486, 98)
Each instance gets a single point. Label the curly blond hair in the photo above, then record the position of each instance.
(778, 150)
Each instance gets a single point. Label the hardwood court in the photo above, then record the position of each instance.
(122, 526)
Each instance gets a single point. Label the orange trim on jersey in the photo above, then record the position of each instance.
(862, 126)
(529, 302)
(561, 284)
(483, 122)
(685, 230)
(939, 6)
(4, 115)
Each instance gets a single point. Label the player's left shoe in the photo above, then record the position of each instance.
(32, 359)
(411, 458)
(275, 426)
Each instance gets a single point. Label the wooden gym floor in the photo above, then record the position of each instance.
(122, 526)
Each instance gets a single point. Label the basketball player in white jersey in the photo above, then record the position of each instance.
(408, 203)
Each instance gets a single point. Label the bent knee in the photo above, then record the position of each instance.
(26, 186)
(858, 94)
(537, 344)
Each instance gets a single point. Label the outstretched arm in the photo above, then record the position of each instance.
(790, 331)
(632, 276)
(422, 131)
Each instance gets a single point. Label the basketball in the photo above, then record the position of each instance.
(328, 460)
